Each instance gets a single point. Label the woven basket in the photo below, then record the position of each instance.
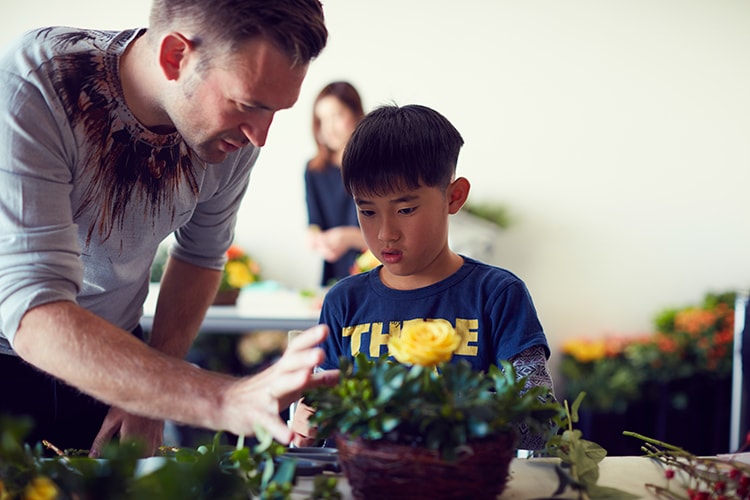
(378, 470)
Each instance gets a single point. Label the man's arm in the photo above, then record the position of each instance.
(185, 294)
(110, 364)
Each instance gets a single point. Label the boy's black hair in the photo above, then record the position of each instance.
(395, 148)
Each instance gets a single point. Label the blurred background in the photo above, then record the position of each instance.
(616, 134)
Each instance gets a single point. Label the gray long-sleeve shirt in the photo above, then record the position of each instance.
(86, 192)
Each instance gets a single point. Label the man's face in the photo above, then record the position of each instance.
(231, 102)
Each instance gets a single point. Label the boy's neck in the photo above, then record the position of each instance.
(440, 270)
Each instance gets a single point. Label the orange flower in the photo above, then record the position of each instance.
(235, 252)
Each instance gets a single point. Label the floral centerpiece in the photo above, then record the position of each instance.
(423, 426)
(682, 369)
(598, 367)
(364, 262)
(690, 341)
(240, 270)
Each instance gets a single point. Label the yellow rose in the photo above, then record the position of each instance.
(238, 274)
(40, 488)
(424, 343)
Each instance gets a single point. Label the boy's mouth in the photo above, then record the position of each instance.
(391, 256)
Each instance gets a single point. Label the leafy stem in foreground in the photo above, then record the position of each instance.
(579, 459)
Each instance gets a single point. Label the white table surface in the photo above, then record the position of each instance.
(267, 306)
(535, 478)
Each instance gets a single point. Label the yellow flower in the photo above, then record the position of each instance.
(365, 262)
(238, 274)
(40, 488)
(424, 343)
(585, 350)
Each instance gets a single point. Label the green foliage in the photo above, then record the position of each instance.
(493, 212)
(159, 263)
(208, 472)
(383, 400)
(689, 341)
(611, 383)
(579, 459)
(616, 370)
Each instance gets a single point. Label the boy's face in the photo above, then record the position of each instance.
(408, 232)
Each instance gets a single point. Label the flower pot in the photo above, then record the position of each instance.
(381, 469)
(226, 297)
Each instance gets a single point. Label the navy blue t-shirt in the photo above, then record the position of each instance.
(489, 307)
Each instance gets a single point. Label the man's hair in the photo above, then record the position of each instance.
(296, 27)
(400, 148)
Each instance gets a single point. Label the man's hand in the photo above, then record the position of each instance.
(148, 431)
(257, 400)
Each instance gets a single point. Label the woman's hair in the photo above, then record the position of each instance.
(399, 148)
(296, 27)
(349, 97)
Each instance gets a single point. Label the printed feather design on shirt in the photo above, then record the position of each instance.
(118, 167)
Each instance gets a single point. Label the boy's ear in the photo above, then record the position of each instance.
(458, 192)
(173, 52)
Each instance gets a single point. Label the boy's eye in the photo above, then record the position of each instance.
(366, 213)
(245, 108)
(407, 210)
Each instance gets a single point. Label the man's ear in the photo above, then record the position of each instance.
(173, 52)
(458, 192)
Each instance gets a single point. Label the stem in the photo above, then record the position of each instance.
(567, 412)
(652, 441)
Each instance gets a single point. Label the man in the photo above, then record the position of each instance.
(110, 142)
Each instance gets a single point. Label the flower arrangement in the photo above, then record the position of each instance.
(598, 367)
(240, 270)
(421, 426)
(423, 400)
(693, 340)
(364, 262)
(688, 341)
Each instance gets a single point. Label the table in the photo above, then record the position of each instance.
(536, 478)
(268, 306)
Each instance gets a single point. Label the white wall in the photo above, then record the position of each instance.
(618, 132)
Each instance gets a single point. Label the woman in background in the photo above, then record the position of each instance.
(333, 228)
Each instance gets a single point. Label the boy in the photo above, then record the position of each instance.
(400, 166)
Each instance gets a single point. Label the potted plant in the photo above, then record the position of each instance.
(422, 426)
(240, 270)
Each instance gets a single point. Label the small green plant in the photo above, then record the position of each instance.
(209, 471)
(579, 459)
(439, 409)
